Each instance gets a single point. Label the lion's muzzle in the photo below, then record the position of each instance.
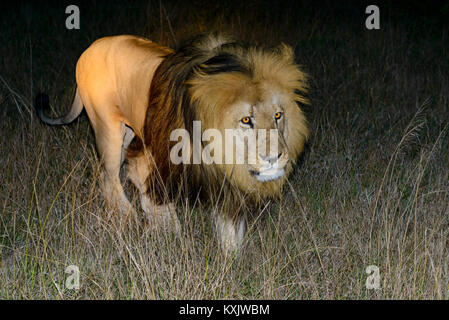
(271, 168)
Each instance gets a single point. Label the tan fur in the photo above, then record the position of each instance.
(126, 80)
(114, 76)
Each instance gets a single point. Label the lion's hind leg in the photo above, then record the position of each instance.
(109, 136)
(159, 216)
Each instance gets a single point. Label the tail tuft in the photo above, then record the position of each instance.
(41, 102)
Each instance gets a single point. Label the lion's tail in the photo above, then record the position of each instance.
(42, 102)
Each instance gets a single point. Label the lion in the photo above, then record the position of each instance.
(137, 92)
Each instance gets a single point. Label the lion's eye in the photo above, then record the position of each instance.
(278, 115)
(246, 120)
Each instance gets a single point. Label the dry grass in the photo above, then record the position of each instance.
(371, 189)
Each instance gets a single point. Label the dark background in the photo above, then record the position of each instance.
(372, 186)
(34, 38)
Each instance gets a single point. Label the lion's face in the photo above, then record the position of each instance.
(259, 127)
(268, 132)
(271, 128)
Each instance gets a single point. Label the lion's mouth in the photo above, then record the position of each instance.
(268, 174)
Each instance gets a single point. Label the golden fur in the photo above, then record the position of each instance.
(132, 86)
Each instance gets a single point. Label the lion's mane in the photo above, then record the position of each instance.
(194, 83)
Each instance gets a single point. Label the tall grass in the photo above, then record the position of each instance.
(371, 188)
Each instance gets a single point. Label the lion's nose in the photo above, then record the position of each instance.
(271, 159)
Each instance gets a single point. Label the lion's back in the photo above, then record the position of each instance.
(112, 63)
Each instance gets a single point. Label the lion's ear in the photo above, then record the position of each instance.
(286, 52)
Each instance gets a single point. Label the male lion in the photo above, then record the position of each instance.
(132, 87)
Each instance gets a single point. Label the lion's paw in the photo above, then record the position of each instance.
(163, 218)
(230, 233)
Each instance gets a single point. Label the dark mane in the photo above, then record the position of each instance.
(170, 106)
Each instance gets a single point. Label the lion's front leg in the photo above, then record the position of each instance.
(158, 216)
(230, 232)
